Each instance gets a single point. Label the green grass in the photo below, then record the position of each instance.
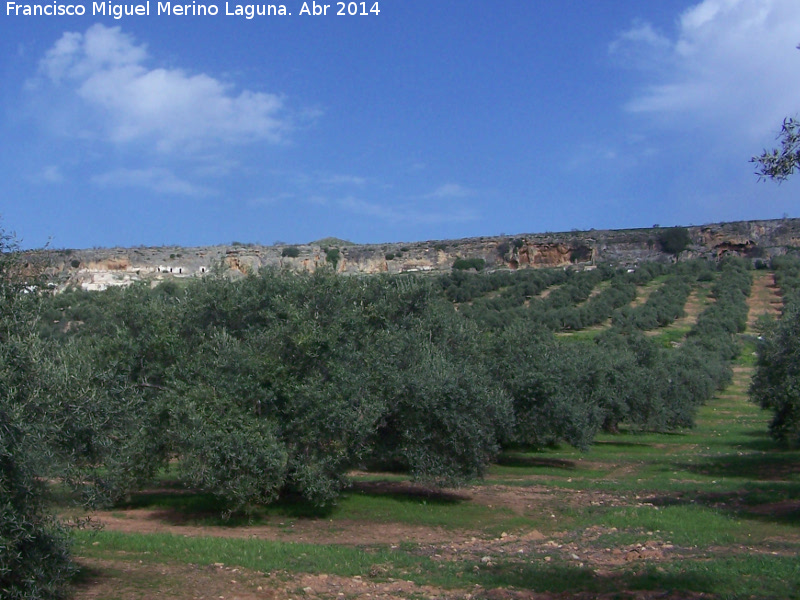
(447, 512)
(734, 576)
(686, 525)
(256, 555)
(671, 334)
(406, 505)
(582, 335)
(730, 577)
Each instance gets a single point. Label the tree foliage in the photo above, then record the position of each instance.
(290, 252)
(776, 383)
(465, 264)
(674, 240)
(332, 256)
(34, 550)
(663, 306)
(279, 384)
(779, 163)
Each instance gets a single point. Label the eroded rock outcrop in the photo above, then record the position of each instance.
(101, 268)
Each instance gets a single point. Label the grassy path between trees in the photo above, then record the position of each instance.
(713, 512)
(765, 299)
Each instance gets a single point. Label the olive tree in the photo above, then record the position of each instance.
(776, 383)
(34, 551)
(674, 240)
(278, 385)
(779, 163)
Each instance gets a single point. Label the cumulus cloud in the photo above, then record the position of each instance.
(729, 61)
(175, 110)
(159, 180)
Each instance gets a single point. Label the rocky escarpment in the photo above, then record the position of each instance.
(98, 269)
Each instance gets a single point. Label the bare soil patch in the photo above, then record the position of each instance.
(643, 293)
(591, 550)
(693, 307)
(312, 531)
(596, 291)
(115, 577)
(548, 290)
(764, 299)
(521, 500)
(101, 579)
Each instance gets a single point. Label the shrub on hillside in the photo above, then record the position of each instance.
(465, 264)
(332, 256)
(290, 252)
(674, 240)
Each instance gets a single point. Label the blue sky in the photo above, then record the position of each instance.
(431, 120)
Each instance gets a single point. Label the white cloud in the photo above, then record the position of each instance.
(409, 212)
(52, 174)
(346, 180)
(437, 207)
(270, 201)
(450, 190)
(161, 181)
(730, 61)
(640, 33)
(370, 209)
(175, 110)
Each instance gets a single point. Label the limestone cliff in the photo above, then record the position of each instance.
(100, 268)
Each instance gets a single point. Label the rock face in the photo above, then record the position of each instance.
(100, 268)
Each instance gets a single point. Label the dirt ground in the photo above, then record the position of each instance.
(105, 578)
(765, 299)
(349, 532)
(218, 582)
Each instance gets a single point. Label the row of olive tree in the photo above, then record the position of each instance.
(570, 304)
(663, 306)
(279, 384)
(567, 391)
(776, 384)
(327, 373)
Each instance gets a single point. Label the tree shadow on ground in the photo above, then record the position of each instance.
(581, 582)
(770, 490)
(86, 576)
(404, 490)
(768, 502)
(511, 459)
(620, 444)
(185, 506)
(774, 465)
(760, 442)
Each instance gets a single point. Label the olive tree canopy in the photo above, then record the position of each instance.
(778, 164)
